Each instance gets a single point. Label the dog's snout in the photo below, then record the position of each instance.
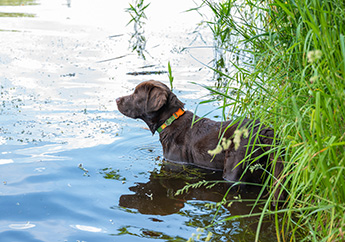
(118, 100)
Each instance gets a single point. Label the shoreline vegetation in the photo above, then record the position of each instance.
(283, 62)
(287, 62)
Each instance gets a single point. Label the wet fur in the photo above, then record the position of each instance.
(182, 142)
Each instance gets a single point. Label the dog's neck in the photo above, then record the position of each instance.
(156, 119)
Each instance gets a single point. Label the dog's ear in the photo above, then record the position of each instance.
(157, 97)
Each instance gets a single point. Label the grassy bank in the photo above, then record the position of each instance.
(294, 81)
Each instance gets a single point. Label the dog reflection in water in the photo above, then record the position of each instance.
(158, 195)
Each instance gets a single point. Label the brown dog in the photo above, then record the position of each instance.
(244, 142)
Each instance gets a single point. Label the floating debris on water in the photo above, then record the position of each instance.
(83, 169)
(137, 73)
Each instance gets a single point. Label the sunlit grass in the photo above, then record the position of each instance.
(295, 85)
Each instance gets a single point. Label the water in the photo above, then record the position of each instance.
(72, 168)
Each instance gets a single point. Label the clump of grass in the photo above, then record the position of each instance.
(296, 85)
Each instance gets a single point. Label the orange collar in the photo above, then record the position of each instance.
(169, 121)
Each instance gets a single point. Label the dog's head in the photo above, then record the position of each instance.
(152, 101)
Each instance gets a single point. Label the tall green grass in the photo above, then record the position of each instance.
(295, 84)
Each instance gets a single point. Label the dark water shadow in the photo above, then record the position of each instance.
(158, 197)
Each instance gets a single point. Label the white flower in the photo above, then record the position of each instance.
(314, 55)
(238, 134)
(226, 143)
(216, 151)
(313, 79)
(237, 138)
(255, 167)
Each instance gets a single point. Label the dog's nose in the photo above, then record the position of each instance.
(118, 100)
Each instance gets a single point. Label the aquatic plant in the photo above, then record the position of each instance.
(171, 78)
(295, 84)
(138, 39)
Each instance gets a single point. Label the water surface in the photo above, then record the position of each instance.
(72, 168)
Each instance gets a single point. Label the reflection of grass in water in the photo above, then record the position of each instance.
(226, 41)
(179, 171)
(5, 30)
(17, 15)
(17, 2)
(145, 233)
(138, 40)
